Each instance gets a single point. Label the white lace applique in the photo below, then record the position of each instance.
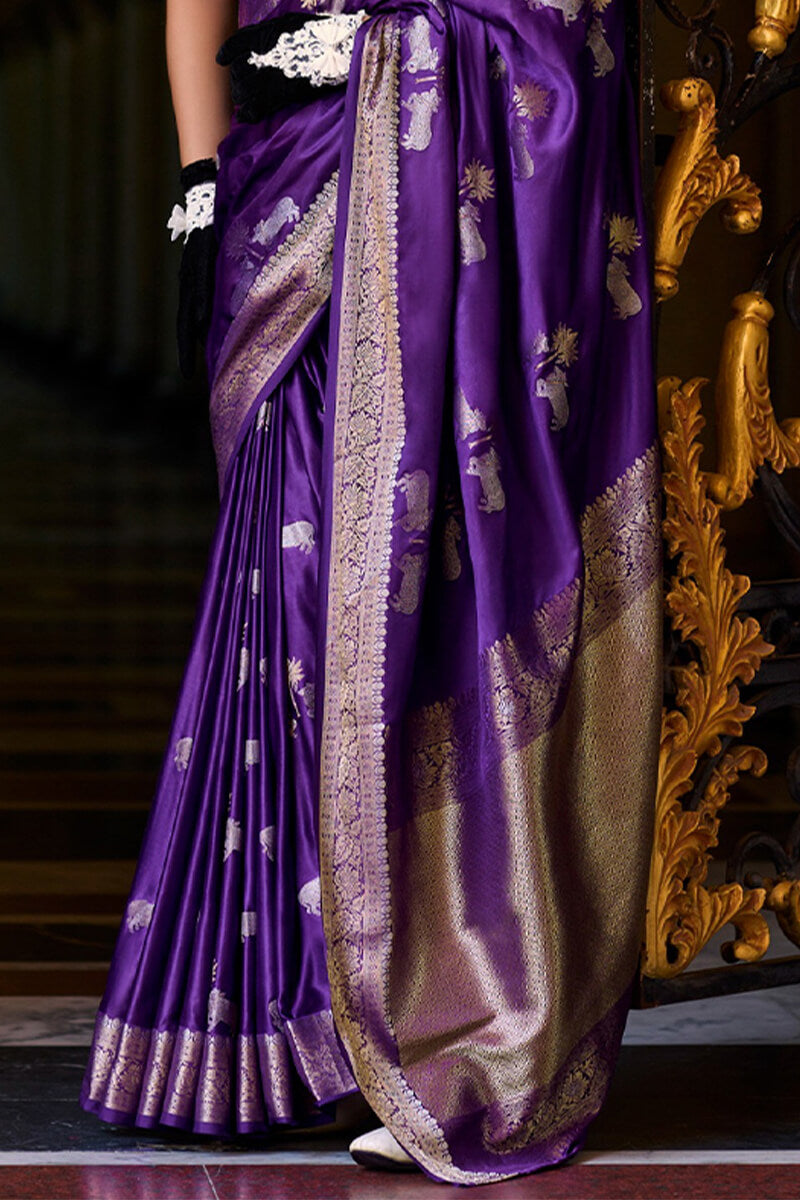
(138, 915)
(604, 60)
(198, 214)
(252, 753)
(415, 486)
(262, 670)
(266, 840)
(248, 927)
(422, 106)
(255, 582)
(183, 752)
(233, 838)
(220, 1010)
(285, 212)
(422, 56)
(299, 535)
(320, 51)
(623, 239)
(310, 896)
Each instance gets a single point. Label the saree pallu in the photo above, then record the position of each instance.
(403, 831)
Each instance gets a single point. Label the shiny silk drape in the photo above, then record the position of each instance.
(456, 244)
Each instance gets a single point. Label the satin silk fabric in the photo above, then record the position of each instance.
(437, 279)
(491, 564)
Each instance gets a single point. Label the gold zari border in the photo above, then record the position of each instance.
(190, 1075)
(369, 433)
(284, 299)
(356, 848)
(523, 676)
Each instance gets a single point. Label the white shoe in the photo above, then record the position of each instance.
(379, 1150)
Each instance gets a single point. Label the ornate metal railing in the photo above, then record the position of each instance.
(731, 650)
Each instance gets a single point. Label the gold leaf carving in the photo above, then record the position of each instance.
(747, 432)
(693, 179)
(776, 21)
(702, 601)
(783, 897)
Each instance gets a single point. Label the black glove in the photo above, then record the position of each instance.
(259, 91)
(198, 261)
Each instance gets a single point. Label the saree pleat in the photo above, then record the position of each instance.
(402, 833)
(217, 1015)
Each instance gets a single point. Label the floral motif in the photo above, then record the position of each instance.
(623, 236)
(477, 182)
(320, 51)
(564, 346)
(531, 100)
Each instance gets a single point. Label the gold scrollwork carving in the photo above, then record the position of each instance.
(776, 21)
(702, 600)
(783, 897)
(747, 432)
(694, 178)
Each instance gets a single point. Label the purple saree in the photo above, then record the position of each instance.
(420, 714)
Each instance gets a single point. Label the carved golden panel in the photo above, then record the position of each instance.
(702, 601)
(776, 21)
(694, 178)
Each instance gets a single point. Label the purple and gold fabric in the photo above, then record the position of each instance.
(420, 716)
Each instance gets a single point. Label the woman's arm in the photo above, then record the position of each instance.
(200, 89)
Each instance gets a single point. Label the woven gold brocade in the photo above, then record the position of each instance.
(190, 1075)
(621, 553)
(283, 300)
(415, 1034)
(369, 434)
(563, 803)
